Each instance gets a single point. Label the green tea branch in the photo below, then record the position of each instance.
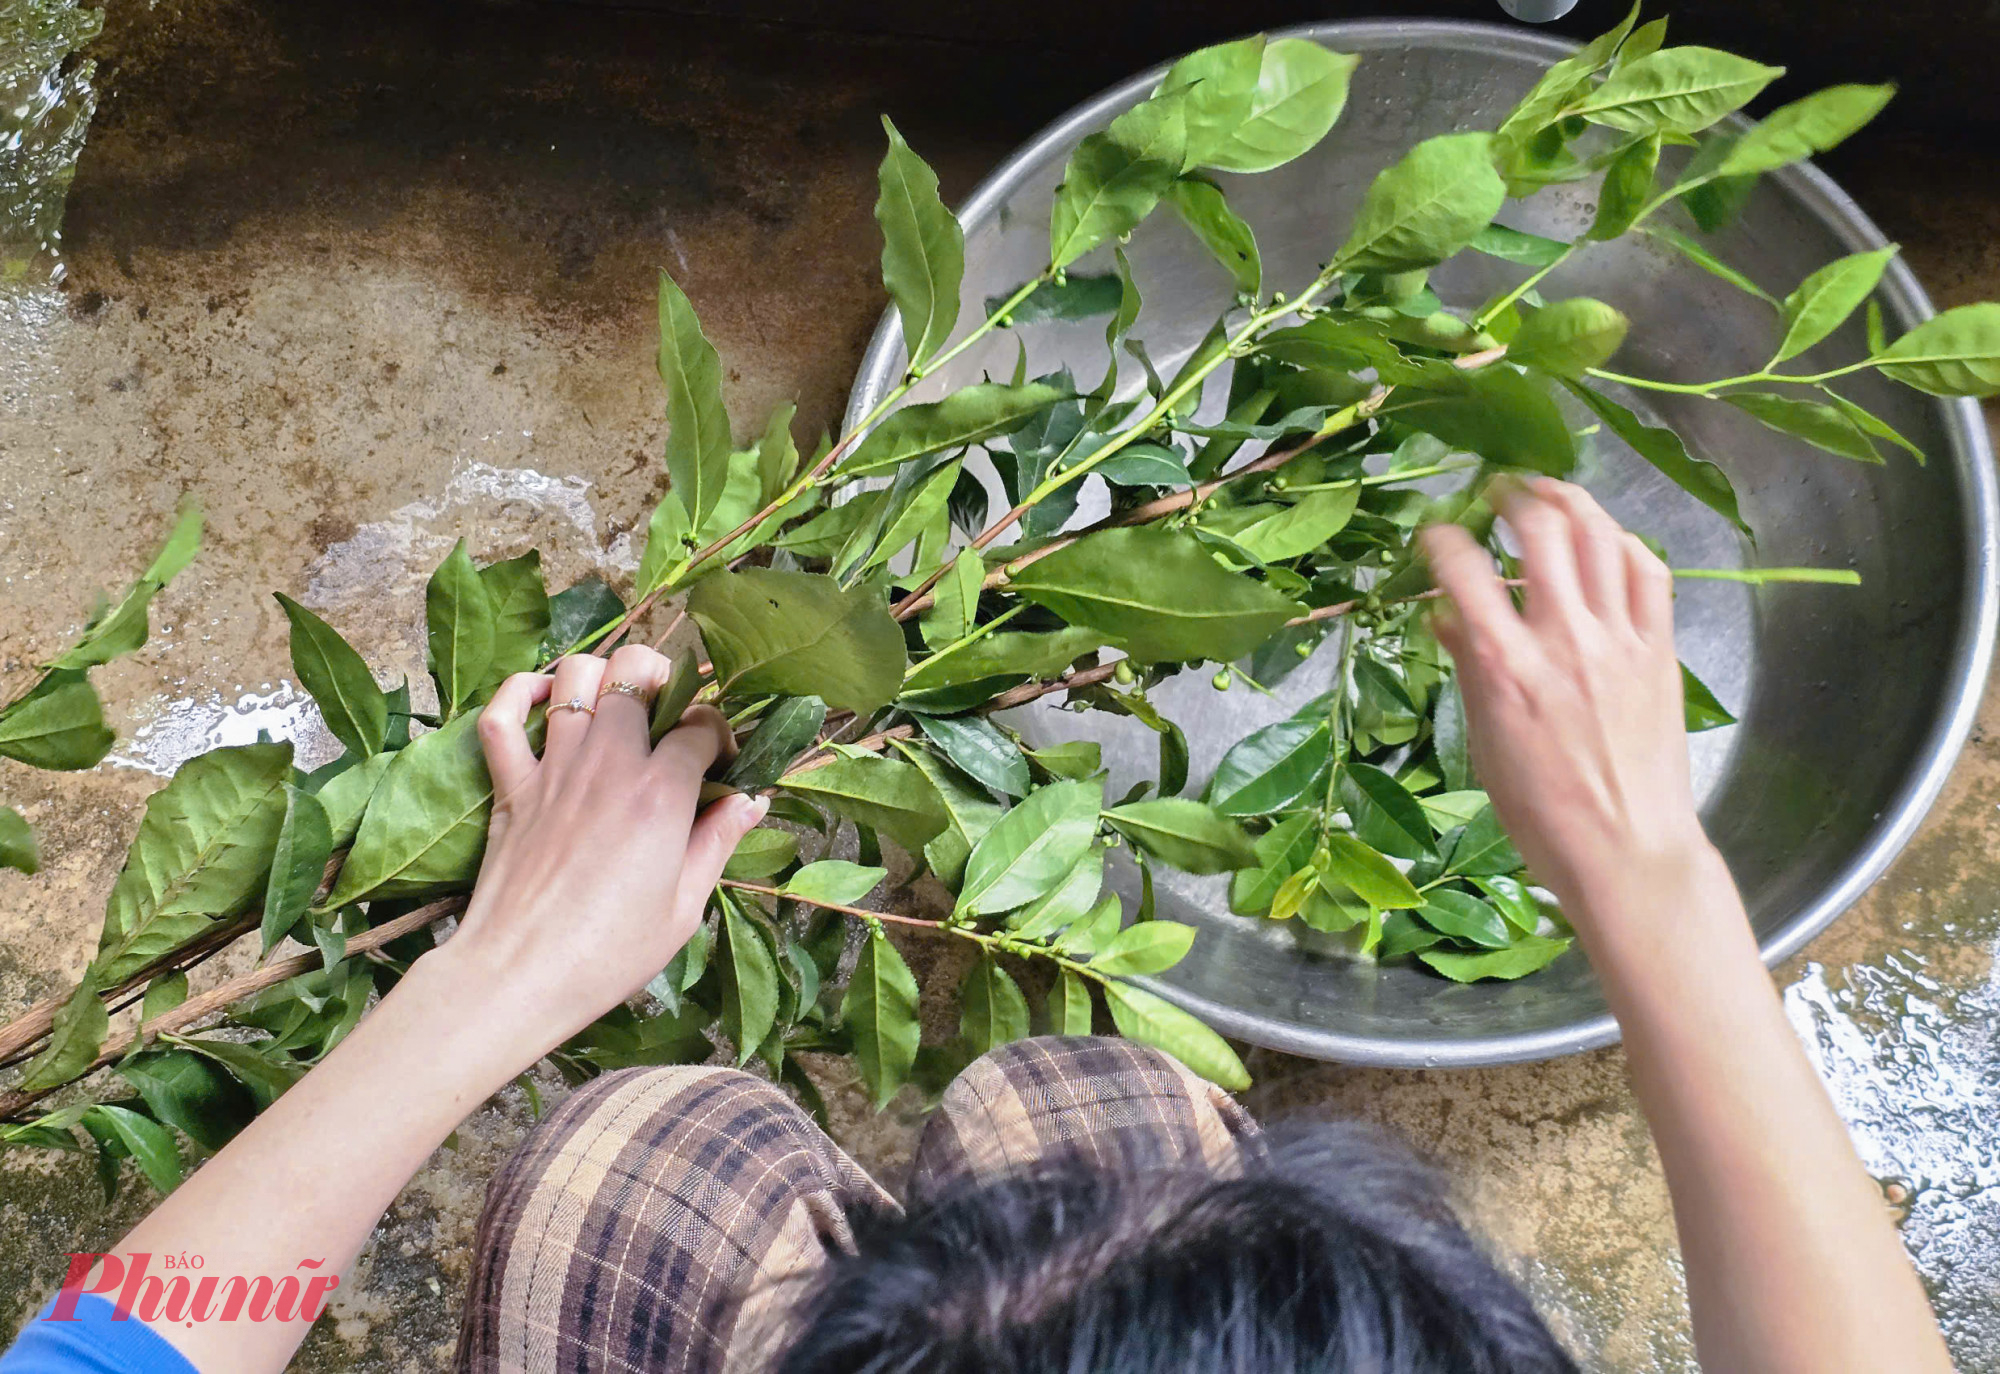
(866, 631)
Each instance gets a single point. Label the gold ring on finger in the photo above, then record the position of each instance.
(624, 689)
(574, 704)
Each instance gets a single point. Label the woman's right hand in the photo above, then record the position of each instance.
(1573, 703)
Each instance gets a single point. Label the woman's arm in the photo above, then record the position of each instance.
(596, 872)
(1574, 711)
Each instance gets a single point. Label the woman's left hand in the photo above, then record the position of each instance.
(597, 868)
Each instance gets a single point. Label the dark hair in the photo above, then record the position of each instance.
(1335, 1252)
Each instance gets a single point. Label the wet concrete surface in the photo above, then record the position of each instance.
(371, 279)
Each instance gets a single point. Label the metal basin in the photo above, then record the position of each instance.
(1852, 702)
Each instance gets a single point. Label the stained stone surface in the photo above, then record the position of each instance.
(370, 279)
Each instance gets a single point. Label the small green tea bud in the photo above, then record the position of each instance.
(1220, 682)
(1304, 648)
(1388, 556)
(1123, 672)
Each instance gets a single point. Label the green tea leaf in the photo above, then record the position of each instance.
(1798, 130)
(1627, 189)
(923, 249)
(1483, 848)
(1822, 426)
(579, 610)
(74, 1039)
(1663, 448)
(1115, 178)
(914, 506)
(201, 854)
(1278, 533)
(57, 725)
(298, 862)
(1570, 337)
(1706, 260)
(520, 615)
(1192, 836)
(267, 1076)
(835, 881)
(1300, 90)
(123, 627)
(1151, 1020)
(955, 602)
(992, 1011)
(1512, 245)
(1403, 933)
(698, 443)
(1205, 210)
(1426, 207)
(1871, 424)
(190, 1093)
(1826, 298)
(1077, 296)
(150, 1144)
(1070, 901)
(355, 709)
(1010, 654)
(1449, 738)
(425, 828)
(969, 813)
(1271, 768)
(1145, 948)
(1384, 814)
(786, 730)
(1075, 759)
(760, 853)
(1556, 88)
(879, 1011)
(345, 797)
(1953, 354)
(749, 984)
(18, 849)
(1511, 898)
(978, 747)
(1464, 917)
(1357, 868)
(1496, 413)
(1145, 465)
(1217, 84)
(1699, 706)
(1157, 594)
(1096, 930)
(460, 617)
(1069, 1006)
(969, 415)
(1676, 90)
(1447, 810)
(668, 536)
(799, 634)
(1281, 851)
(883, 794)
(1031, 848)
(1531, 953)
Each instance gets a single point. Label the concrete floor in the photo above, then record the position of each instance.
(369, 282)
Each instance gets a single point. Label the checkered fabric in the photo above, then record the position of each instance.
(664, 1220)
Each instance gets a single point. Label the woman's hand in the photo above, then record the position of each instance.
(597, 868)
(1574, 713)
(1574, 704)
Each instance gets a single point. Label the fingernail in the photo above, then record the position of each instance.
(759, 808)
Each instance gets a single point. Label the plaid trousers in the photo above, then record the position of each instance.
(663, 1220)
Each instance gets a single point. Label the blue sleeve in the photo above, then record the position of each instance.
(95, 1343)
